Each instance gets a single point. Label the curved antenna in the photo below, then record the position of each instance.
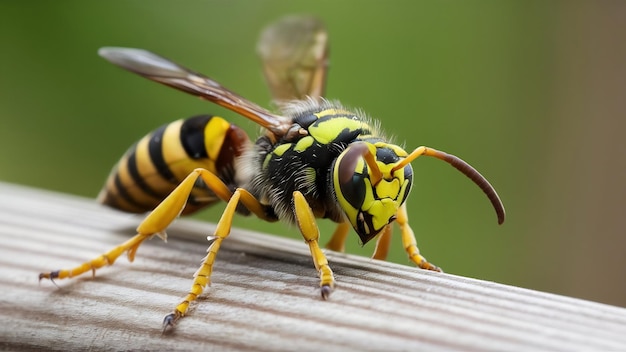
(465, 168)
(352, 154)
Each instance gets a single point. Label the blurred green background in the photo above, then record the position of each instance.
(532, 93)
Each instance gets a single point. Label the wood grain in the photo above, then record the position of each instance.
(264, 295)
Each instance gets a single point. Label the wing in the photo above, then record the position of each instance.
(159, 69)
(294, 52)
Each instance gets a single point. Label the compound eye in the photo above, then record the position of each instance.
(350, 180)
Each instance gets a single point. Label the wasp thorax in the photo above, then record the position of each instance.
(368, 188)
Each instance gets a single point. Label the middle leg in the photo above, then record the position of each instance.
(310, 232)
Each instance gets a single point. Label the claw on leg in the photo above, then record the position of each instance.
(103, 260)
(154, 224)
(170, 320)
(410, 244)
(308, 227)
(202, 277)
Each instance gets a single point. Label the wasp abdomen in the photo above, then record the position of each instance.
(155, 165)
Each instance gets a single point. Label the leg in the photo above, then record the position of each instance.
(202, 277)
(382, 244)
(154, 224)
(310, 232)
(337, 242)
(409, 243)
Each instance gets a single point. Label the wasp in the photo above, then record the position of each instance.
(314, 159)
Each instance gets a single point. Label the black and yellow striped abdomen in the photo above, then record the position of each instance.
(154, 166)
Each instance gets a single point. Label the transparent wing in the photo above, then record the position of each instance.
(294, 52)
(159, 69)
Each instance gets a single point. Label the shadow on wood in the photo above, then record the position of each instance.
(264, 294)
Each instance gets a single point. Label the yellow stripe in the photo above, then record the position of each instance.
(214, 135)
(179, 162)
(111, 197)
(281, 149)
(176, 157)
(327, 131)
(266, 161)
(147, 170)
(304, 143)
(131, 187)
(172, 149)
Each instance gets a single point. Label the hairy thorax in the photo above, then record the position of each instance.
(302, 160)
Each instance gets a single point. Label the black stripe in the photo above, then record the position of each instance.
(339, 115)
(155, 149)
(192, 136)
(305, 120)
(123, 194)
(139, 181)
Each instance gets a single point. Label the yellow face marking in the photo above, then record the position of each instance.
(381, 211)
(383, 200)
(385, 168)
(388, 189)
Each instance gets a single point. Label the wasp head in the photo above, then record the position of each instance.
(371, 182)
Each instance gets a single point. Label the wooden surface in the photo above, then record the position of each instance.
(264, 295)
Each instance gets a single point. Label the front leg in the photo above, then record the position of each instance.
(382, 243)
(409, 242)
(310, 232)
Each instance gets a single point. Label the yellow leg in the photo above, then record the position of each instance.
(155, 223)
(382, 244)
(310, 232)
(409, 243)
(158, 220)
(202, 277)
(107, 258)
(337, 242)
